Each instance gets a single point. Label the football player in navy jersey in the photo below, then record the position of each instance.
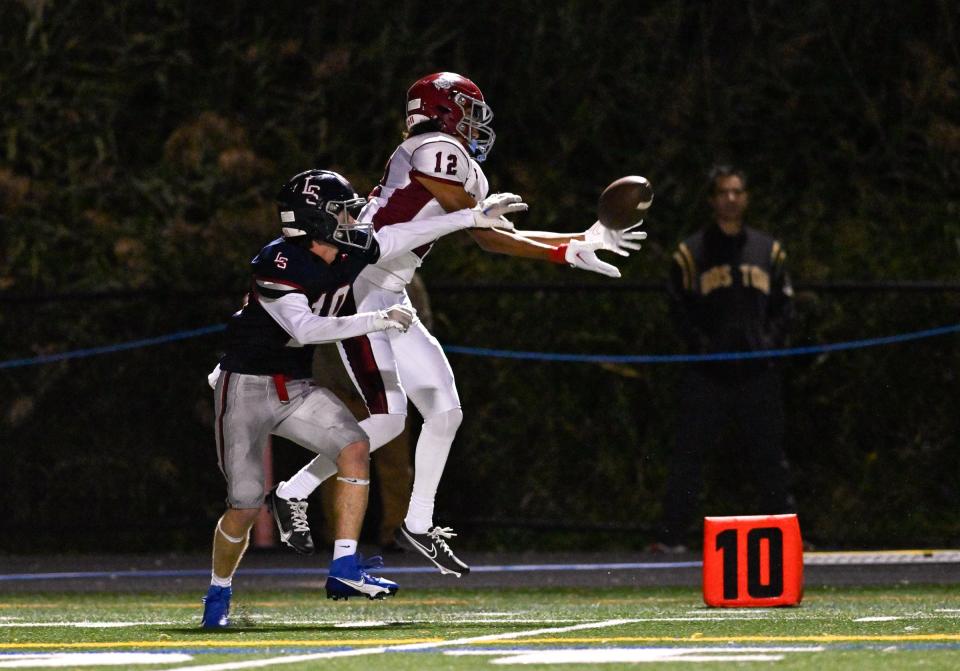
(300, 284)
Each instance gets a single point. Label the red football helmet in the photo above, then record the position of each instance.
(457, 104)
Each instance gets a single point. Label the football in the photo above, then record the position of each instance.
(624, 202)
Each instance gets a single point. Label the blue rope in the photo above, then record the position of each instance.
(530, 356)
(686, 358)
(109, 349)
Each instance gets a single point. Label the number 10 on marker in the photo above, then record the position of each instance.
(752, 561)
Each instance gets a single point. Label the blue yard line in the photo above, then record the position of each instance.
(526, 355)
(192, 573)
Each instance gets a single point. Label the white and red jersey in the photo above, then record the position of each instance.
(400, 198)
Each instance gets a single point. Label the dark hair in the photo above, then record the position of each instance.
(724, 170)
(428, 126)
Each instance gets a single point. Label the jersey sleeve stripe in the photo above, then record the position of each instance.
(278, 285)
(690, 265)
(272, 289)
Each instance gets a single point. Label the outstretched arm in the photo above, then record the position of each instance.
(486, 215)
(453, 197)
(565, 249)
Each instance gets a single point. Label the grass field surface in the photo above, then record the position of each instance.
(570, 628)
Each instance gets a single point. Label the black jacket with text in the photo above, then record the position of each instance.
(731, 294)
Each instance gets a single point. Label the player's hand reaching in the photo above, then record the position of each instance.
(490, 212)
(618, 242)
(582, 254)
(398, 317)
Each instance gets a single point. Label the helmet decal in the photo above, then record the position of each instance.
(321, 205)
(310, 191)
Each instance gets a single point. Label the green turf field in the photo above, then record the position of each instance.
(863, 628)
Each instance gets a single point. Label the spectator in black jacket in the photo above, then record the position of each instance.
(730, 292)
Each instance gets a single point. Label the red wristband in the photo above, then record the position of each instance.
(559, 255)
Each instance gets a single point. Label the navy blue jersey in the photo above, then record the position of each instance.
(255, 343)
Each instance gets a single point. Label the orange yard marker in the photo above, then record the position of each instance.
(752, 561)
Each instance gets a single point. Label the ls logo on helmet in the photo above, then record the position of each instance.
(311, 191)
(443, 83)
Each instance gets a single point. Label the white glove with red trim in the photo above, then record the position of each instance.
(618, 242)
(582, 254)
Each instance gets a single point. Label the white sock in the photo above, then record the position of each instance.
(299, 486)
(220, 582)
(344, 547)
(433, 447)
(419, 517)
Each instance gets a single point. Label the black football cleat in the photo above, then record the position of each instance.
(433, 546)
(291, 518)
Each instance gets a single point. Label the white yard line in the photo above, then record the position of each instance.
(75, 659)
(293, 659)
(633, 655)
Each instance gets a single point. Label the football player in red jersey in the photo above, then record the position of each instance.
(436, 169)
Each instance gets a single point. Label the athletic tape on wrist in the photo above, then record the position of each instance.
(354, 481)
(559, 254)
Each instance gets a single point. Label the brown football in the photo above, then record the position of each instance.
(624, 202)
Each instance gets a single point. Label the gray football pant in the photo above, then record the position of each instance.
(248, 410)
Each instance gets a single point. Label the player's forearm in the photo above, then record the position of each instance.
(501, 242)
(401, 238)
(294, 316)
(331, 329)
(549, 238)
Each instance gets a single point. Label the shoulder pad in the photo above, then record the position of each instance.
(441, 158)
(281, 268)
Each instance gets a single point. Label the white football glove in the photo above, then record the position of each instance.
(213, 377)
(618, 242)
(582, 254)
(489, 212)
(398, 317)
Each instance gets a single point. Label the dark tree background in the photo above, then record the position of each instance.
(141, 144)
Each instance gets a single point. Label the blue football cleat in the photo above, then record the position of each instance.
(216, 608)
(348, 577)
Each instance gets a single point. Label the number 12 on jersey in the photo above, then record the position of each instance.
(451, 163)
(752, 561)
